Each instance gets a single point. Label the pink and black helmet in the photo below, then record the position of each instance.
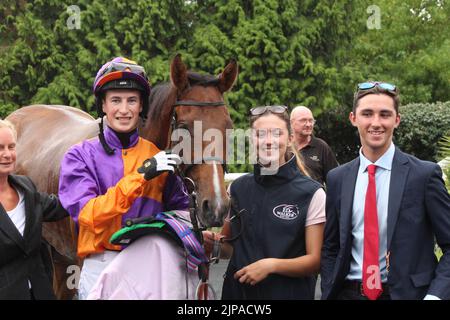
(121, 73)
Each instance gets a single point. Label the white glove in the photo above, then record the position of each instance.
(161, 162)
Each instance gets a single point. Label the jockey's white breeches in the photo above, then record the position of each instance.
(93, 266)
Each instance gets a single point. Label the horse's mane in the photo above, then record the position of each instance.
(161, 93)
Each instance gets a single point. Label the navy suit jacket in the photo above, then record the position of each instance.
(418, 211)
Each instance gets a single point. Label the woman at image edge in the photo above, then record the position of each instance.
(23, 275)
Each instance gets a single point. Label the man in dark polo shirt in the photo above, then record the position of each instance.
(317, 154)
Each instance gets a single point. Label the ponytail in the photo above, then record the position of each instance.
(299, 160)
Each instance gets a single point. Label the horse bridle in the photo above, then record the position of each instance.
(183, 173)
(190, 103)
(203, 269)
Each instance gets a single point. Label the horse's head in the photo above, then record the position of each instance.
(201, 116)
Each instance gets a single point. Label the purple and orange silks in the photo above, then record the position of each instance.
(101, 191)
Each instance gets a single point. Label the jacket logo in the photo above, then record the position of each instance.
(315, 158)
(286, 211)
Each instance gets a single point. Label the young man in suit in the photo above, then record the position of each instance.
(384, 210)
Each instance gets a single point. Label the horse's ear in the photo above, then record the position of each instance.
(178, 73)
(228, 76)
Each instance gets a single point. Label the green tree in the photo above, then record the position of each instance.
(290, 52)
(45, 61)
(421, 128)
(444, 155)
(410, 49)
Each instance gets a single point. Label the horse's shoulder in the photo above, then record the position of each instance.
(45, 111)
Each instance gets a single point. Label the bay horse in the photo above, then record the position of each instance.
(46, 132)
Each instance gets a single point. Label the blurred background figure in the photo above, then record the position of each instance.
(317, 154)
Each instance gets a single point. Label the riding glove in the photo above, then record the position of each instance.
(162, 161)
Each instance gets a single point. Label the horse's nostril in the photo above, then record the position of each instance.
(205, 206)
(212, 215)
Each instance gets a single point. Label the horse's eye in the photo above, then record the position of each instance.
(182, 126)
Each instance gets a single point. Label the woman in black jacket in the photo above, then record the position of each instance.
(22, 211)
(277, 218)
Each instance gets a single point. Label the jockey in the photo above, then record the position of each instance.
(103, 181)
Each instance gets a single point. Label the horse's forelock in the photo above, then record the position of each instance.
(160, 99)
(202, 79)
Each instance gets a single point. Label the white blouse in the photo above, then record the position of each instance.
(17, 215)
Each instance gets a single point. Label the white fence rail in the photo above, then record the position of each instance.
(229, 177)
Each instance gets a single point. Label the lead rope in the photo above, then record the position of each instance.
(201, 292)
(203, 286)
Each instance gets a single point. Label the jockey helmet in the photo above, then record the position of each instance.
(121, 73)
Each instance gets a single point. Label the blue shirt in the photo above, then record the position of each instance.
(382, 182)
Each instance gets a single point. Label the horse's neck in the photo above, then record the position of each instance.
(157, 127)
(155, 132)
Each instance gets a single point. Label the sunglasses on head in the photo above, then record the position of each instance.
(382, 85)
(257, 111)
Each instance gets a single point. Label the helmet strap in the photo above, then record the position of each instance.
(101, 136)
